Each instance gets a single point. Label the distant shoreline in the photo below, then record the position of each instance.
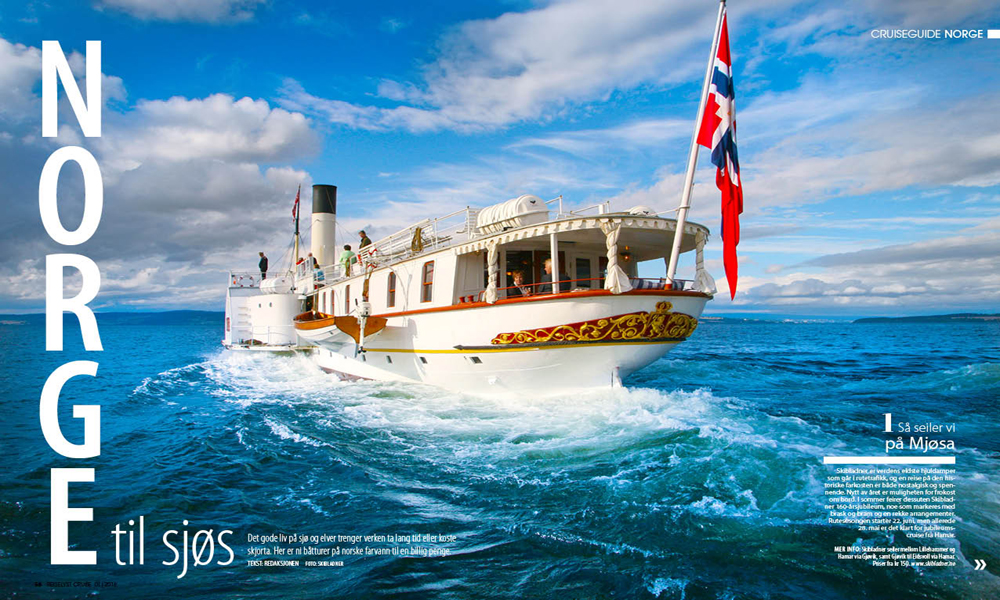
(119, 318)
(958, 317)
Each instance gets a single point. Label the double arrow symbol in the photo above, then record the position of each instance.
(980, 564)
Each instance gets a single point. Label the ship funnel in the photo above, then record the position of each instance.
(324, 224)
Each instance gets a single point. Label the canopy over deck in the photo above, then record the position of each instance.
(648, 237)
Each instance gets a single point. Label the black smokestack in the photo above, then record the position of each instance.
(325, 199)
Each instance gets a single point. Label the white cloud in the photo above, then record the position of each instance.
(534, 64)
(953, 248)
(630, 136)
(928, 13)
(871, 154)
(801, 160)
(20, 69)
(537, 64)
(295, 97)
(958, 272)
(218, 127)
(204, 11)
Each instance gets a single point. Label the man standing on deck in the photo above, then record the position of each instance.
(365, 240)
(263, 266)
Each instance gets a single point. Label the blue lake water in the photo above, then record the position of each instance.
(703, 479)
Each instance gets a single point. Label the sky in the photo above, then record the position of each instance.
(870, 166)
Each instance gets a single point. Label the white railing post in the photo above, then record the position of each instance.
(554, 252)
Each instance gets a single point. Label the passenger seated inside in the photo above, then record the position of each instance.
(520, 289)
(546, 280)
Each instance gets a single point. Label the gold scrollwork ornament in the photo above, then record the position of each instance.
(658, 324)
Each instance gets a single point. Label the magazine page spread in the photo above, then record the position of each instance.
(495, 300)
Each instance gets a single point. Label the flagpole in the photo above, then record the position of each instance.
(685, 204)
(295, 259)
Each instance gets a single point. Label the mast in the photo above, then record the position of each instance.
(685, 204)
(295, 258)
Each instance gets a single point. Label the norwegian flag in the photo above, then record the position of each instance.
(295, 207)
(718, 133)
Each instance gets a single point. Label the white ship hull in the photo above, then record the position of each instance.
(568, 343)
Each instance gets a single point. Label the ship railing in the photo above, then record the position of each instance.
(558, 201)
(326, 275)
(600, 208)
(330, 274)
(244, 279)
(448, 228)
(425, 236)
(253, 279)
(303, 269)
(434, 234)
(569, 286)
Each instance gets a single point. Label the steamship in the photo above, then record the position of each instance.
(520, 297)
(468, 302)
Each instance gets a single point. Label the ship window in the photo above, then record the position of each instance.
(347, 300)
(427, 289)
(583, 272)
(423, 360)
(475, 360)
(391, 299)
(388, 359)
(270, 305)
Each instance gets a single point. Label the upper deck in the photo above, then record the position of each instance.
(646, 236)
(450, 262)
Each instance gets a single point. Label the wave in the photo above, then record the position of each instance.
(164, 383)
(675, 588)
(665, 457)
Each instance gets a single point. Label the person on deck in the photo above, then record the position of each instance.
(262, 265)
(546, 280)
(318, 274)
(346, 258)
(365, 240)
(520, 289)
